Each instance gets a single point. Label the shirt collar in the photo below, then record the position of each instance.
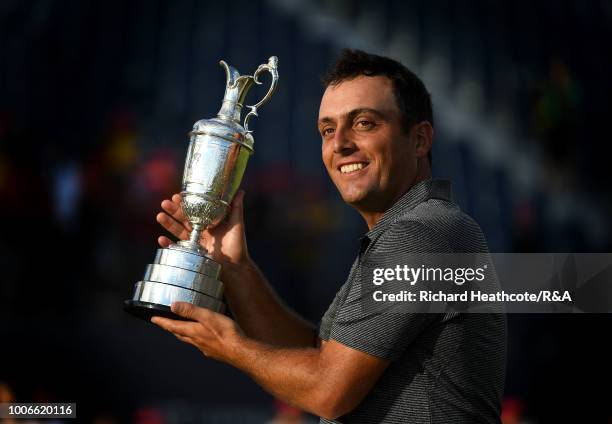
(418, 193)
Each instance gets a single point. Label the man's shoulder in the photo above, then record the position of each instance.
(433, 213)
(437, 222)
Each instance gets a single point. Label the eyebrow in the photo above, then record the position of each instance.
(352, 114)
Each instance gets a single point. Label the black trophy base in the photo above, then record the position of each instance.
(146, 310)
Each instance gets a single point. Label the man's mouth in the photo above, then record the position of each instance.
(352, 167)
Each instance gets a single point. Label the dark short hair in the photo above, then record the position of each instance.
(411, 96)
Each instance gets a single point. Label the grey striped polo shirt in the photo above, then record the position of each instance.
(444, 368)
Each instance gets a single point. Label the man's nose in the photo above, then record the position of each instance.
(343, 142)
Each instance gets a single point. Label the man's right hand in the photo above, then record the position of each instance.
(225, 243)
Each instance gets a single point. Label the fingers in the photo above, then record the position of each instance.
(185, 339)
(173, 220)
(237, 211)
(173, 208)
(181, 328)
(173, 226)
(164, 241)
(192, 312)
(190, 341)
(176, 198)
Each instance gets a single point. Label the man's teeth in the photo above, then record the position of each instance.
(345, 169)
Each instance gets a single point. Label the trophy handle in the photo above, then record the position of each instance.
(272, 68)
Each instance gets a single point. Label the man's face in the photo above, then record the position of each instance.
(366, 151)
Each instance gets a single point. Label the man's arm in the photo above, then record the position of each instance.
(328, 381)
(259, 312)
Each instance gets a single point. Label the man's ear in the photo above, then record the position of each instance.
(423, 136)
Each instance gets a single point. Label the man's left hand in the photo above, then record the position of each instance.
(215, 335)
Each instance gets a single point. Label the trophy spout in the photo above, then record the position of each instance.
(237, 86)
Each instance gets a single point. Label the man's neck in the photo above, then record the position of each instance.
(372, 217)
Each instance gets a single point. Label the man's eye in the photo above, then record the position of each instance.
(327, 131)
(363, 124)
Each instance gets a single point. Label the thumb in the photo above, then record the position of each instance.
(236, 216)
(186, 310)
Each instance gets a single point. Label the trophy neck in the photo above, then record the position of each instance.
(236, 89)
(230, 111)
(193, 243)
(233, 100)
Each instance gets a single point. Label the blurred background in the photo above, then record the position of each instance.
(96, 99)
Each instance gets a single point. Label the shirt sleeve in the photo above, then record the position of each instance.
(386, 329)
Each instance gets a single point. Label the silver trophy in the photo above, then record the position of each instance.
(217, 156)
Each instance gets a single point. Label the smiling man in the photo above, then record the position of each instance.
(360, 366)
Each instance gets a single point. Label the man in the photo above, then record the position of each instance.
(376, 125)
